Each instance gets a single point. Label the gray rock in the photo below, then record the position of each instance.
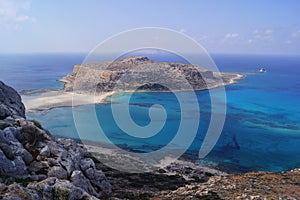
(12, 147)
(87, 163)
(53, 188)
(79, 180)
(96, 177)
(37, 167)
(4, 124)
(68, 165)
(55, 150)
(20, 166)
(6, 165)
(17, 192)
(16, 167)
(4, 111)
(44, 187)
(45, 151)
(53, 162)
(10, 102)
(57, 172)
(8, 135)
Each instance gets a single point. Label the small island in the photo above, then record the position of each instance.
(94, 82)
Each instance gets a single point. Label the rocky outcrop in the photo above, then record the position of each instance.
(36, 165)
(11, 104)
(139, 73)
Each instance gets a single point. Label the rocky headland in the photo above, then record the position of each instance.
(139, 73)
(93, 82)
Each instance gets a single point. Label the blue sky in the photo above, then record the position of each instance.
(221, 26)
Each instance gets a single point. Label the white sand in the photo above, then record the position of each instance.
(52, 99)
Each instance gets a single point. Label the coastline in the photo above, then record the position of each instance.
(44, 100)
(58, 98)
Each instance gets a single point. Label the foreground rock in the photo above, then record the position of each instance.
(36, 165)
(10, 102)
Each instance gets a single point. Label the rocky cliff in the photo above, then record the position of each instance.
(36, 165)
(139, 73)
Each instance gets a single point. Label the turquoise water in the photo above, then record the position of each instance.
(262, 127)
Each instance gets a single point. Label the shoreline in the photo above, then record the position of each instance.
(59, 98)
(100, 150)
(45, 100)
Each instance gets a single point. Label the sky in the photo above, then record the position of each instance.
(220, 26)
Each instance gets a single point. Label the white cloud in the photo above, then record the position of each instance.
(14, 12)
(268, 32)
(231, 35)
(261, 35)
(24, 18)
(250, 41)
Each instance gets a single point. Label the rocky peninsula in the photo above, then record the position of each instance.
(34, 164)
(93, 82)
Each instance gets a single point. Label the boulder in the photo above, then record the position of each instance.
(58, 171)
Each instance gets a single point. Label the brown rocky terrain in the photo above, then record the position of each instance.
(139, 73)
(252, 185)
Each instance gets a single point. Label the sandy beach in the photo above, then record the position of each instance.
(58, 98)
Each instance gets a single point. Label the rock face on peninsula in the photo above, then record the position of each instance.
(139, 73)
(36, 165)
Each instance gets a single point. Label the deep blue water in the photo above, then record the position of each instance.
(262, 127)
(36, 71)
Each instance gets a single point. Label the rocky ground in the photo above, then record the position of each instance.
(36, 165)
(252, 185)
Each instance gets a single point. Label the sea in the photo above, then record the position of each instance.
(262, 124)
